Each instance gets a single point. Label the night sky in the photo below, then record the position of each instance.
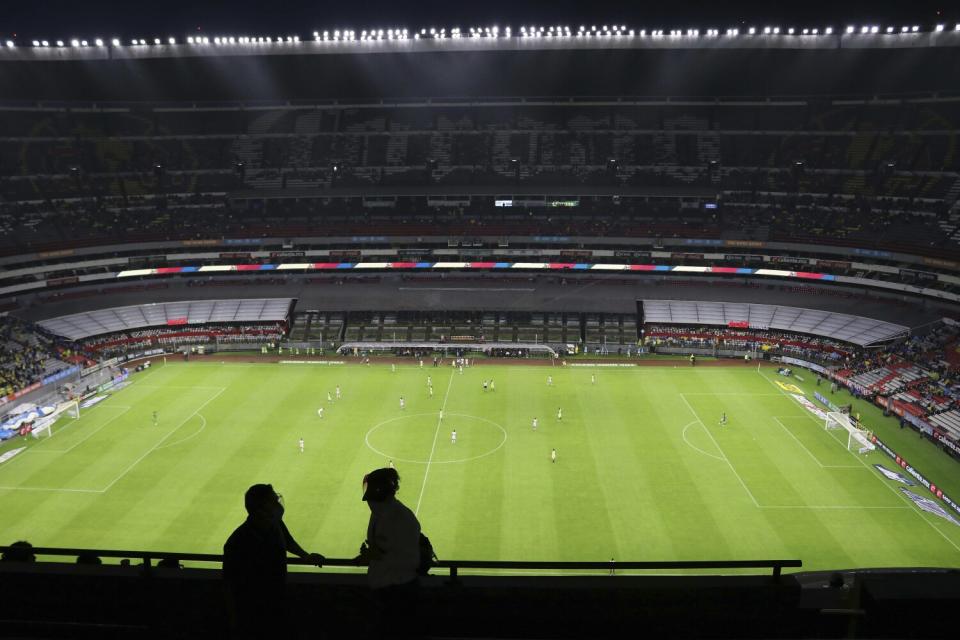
(145, 18)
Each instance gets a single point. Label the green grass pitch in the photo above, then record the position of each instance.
(644, 469)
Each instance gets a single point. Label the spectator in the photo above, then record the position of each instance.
(392, 553)
(19, 551)
(255, 566)
(88, 557)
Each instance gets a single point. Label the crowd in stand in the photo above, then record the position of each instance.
(24, 355)
(126, 341)
(763, 341)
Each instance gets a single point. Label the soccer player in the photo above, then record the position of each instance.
(484, 386)
(156, 419)
(493, 386)
(723, 419)
(393, 367)
(391, 464)
(421, 363)
(453, 437)
(441, 415)
(559, 413)
(429, 381)
(553, 455)
(403, 403)
(534, 424)
(461, 369)
(338, 392)
(549, 381)
(320, 412)
(593, 379)
(301, 445)
(329, 397)
(431, 390)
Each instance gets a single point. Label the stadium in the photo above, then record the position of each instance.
(658, 327)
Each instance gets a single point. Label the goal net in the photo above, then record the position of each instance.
(44, 426)
(856, 437)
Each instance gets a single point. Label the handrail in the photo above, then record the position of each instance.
(454, 566)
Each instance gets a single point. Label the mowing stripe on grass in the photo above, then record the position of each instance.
(895, 492)
(717, 445)
(434, 447)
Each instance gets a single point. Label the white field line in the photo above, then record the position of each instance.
(56, 490)
(94, 432)
(717, 445)
(829, 506)
(902, 497)
(192, 435)
(156, 446)
(810, 453)
(696, 448)
(434, 447)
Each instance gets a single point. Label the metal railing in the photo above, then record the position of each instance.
(453, 567)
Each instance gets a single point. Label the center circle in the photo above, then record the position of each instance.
(407, 438)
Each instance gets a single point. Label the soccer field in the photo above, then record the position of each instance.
(644, 470)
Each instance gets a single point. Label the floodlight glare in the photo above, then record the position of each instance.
(874, 29)
(44, 43)
(939, 28)
(171, 40)
(889, 29)
(35, 43)
(74, 43)
(849, 29)
(83, 43)
(98, 42)
(59, 43)
(828, 31)
(864, 29)
(10, 43)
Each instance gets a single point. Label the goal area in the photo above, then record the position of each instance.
(44, 425)
(856, 437)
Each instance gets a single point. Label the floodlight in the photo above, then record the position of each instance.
(849, 29)
(10, 43)
(74, 43)
(828, 31)
(889, 29)
(171, 40)
(83, 43)
(904, 29)
(35, 43)
(776, 30)
(156, 41)
(752, 31)
(864, 29)
(790, 31)
(45, 43)
(59, 43)
(938, 28)
(914, 28)
(874, 29)
(98, 42)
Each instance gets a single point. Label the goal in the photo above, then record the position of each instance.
(856, 437)
(44, 426)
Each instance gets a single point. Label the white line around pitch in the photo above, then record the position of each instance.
(434, 447)
(717, 445)
(900, 496)
(154, 447)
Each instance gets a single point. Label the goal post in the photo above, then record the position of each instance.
(856, 437)
(44, 426)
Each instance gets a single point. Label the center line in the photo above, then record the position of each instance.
(434, 447)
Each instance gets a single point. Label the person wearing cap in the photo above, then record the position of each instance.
(392, 553)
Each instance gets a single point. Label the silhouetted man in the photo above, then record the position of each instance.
(255, 565)
(392, 553)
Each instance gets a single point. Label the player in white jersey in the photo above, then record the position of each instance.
(391, 465)
(338, 392)
(393, 367)
(453, 437)
(593, 379)
(723, 419)
(549, 381)
(553, 455)
(403, 403)
(156, 418)
(493, 386)
(441, 415)
(320, 412)
(329, 397)
(431, 390)
(301, 445)
(559, 413)
(534, 424)
(429, 381)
